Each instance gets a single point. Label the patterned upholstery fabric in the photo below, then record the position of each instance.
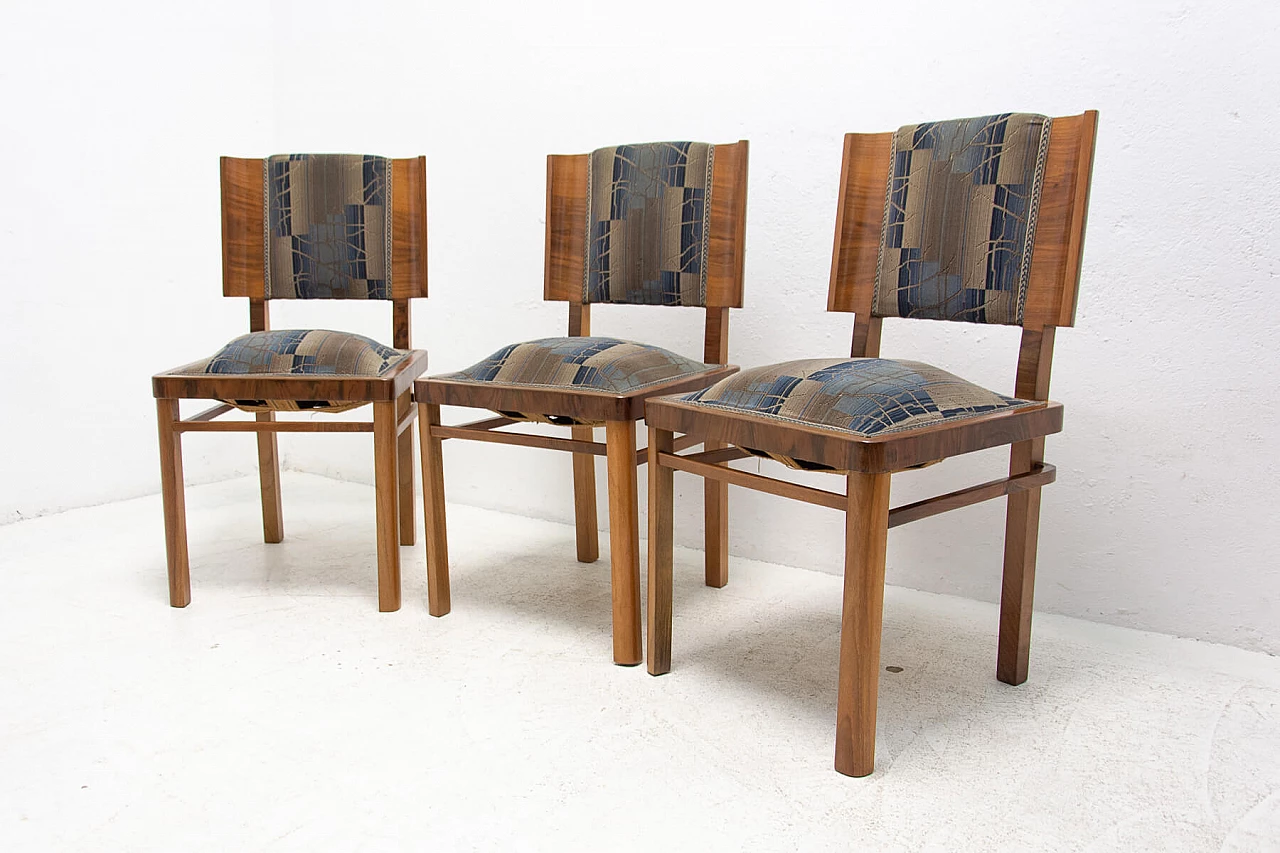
(581, 363)
(327, 226)
(299, 352)
(960, 218)
(862, 396)
(647, 210)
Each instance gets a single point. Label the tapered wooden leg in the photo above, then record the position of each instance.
(866, 531)
(715, 505)
(175, 508)
(584, 499)
(660, 553)
(387, 487)
(404, 455)
(1021, 534)
(624, 541)
(433, 509)
(269, 481)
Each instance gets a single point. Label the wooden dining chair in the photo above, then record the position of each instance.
(977, 220)
(650, 224)
(310, 226)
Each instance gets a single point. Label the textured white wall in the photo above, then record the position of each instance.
(1163, 514)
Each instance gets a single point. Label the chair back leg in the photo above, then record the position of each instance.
(269, 482)
(438, 602)
(715, 505)
(584, 499)
(405, 462)
(1021, 535)
(660, 552)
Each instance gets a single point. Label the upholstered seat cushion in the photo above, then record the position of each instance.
(865, 397)
(607, 365)
(292, 352)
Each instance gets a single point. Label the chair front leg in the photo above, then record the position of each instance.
(1021, 534)
(404, 456)
(866, 532)
(715, 505)
(624, 541)
(660, 552)
(584, 499)
(269, 482)
(438, 602)
(175, 509)
(387, 488)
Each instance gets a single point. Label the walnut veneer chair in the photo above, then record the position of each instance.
(652, 224)
(978, 220)
(310, 226)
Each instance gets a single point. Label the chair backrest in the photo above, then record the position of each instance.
(651, 224)
(325, 226)
(974, 220)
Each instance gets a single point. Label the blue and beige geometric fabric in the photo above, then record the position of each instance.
(862, 396)
(299, 352)
(327, 226)
(606, 365)
(960, 218)
(647, 229)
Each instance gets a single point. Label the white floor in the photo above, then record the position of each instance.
(282, 711)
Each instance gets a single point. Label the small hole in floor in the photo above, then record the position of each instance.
(893, 669)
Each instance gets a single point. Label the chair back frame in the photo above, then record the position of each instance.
(566, 235)
(1056, 254)
(243, 258)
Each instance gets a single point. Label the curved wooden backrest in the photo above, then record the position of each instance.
(1059, 236)
(567, 217)
(242, 227)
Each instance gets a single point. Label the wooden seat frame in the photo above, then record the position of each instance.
(1051, 301)
(563, 276)
(390, 394)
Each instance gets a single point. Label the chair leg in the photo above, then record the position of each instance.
(404, 455)
(269, 481)
(584, 499)
(660, 552)
(438, 602)
(387, 488)
(175, 509)
(1021, 534)
(624, 541)
(715, 504)
(866, 531)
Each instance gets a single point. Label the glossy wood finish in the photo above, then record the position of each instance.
(566, 214)
(1022, 518)
(870, 462)
(624, 541)
(438, 599)
(242, 227)
(243, 276)
(866, 530)
(661, 547)
(585, 517)
(269, 386)
(715, 493)
(567, 211)
(405, 463)
(843, 452)
(175, 512)
(583, 405)
(387, 499)
(269, 482)
(1059, 240)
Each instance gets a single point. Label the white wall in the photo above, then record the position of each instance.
(1163, 514)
